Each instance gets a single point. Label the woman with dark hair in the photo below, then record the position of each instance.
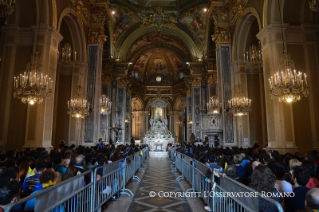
(263, 181)
(70, 172)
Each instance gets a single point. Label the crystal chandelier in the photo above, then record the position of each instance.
(6, 7)
(105, 105)
(78, 107)
(287, 85)
(239, 105)
(212, 105)
(253, 57)
(314, 5)
(32, 86)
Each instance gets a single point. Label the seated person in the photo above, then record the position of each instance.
(58, 166)
(9, 193)
(263, 181)
(32, 183)
(312, 200)
(47, 179)
(300, 177)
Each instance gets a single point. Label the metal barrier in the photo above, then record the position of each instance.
(70, 195)
(102, 183)
(202, 179)
(239, 198)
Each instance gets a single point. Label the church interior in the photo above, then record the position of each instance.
(138, 98)
(238, 72)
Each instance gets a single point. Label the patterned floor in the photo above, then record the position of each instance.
(158, 178)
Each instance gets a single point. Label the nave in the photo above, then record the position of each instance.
(157, 177)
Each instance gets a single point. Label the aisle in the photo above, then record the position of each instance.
(158, 179)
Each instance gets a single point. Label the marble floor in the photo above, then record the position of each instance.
(157, 180)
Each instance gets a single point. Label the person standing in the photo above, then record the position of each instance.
(100, 143)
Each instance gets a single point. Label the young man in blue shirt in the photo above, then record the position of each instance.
(32, 183)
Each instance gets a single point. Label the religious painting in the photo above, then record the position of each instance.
(159, 64)
(141, 62)
(158, 113)
(122, 22)
(197, 23)
(177, 62)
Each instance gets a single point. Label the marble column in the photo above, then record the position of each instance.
(105, 119)
(92, 123)
(196, 106)
(225, 90)
(189, 115)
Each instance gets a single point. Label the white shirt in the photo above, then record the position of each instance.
(283, 186)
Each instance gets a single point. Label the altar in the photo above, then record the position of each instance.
(158, 134)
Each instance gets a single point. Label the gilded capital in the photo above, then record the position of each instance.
(96, 36)
(196, 82)
(221, 36)
(106, 79)
(121, 82)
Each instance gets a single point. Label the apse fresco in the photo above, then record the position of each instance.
(159, 64)
(141, 62)
(122, 22)
(160, 38)
(197, 23)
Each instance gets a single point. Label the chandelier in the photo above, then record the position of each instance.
(78, 107)
(6, 7)
(314, 5)
(287, 85)
(212, 105)
(253, 57)
(105, 105)
(66, 55)
(239, 105)
(32, 86)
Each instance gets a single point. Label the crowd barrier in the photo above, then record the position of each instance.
(90, 190)
(226, 195)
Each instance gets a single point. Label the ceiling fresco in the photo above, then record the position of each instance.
(159, 62)
(197, 23)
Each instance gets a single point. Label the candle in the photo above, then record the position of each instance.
(306, 80)
(74, 56)
(244, 58)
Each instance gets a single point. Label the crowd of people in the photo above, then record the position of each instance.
(23, 173)
(265, 171)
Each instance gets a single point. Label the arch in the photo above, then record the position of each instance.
(76, 30)
(270, 11)
(130, 40)
(180, 104)
(137, 104)
(148, 105)
(242, 30)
